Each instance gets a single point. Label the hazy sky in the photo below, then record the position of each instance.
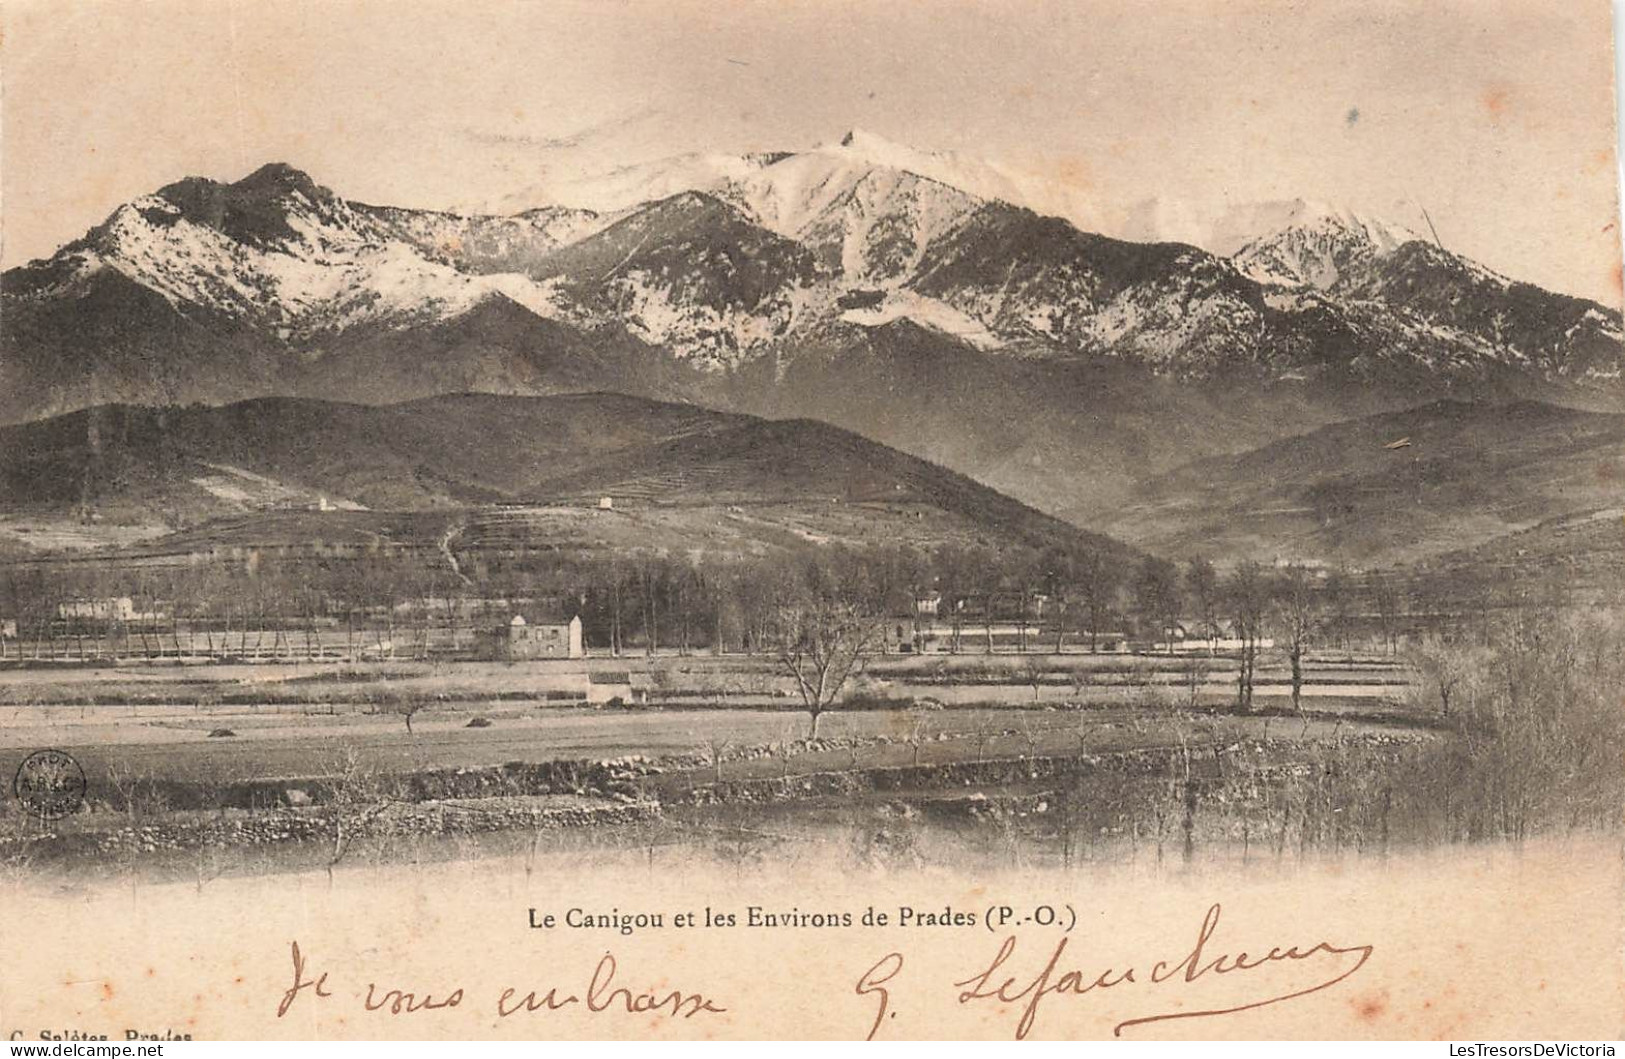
(1496, 116)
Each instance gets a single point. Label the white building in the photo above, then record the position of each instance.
(108, 608)
(523, 639)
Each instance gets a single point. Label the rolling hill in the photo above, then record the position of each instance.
(1571, 561)
(1386, 488)
(694, 477)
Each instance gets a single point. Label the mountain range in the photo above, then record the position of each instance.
(888, 291)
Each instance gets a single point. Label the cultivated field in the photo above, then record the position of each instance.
(293, 721)
(268, 767)
(155, 738)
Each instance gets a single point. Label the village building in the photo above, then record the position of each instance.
(975, 636)
(523, 640)
(616, 687)
(1216, 638)
(106, 608)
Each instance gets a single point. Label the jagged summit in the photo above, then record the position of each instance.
(1319, 245)
(724, 264)
(279, 177)
(1229, 228)
(270, 181)
(1384, 234)
(884, 289)
(261, 209)
(862, 139)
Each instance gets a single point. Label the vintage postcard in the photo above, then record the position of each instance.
(1003, 519)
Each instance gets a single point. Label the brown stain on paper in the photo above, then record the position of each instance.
(1371, 1007)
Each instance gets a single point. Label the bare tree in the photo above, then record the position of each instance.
(1098, 578)
(1335, 590)
(1202, 582)
(410, 706)
(1246, 595)
(1446, 672)
(1032, 732)
(1157, 594)
(825, 642)
(916, 735)
(1196, 668)
(953, 582)
(1298, 608)
(716, 751)
(617, 585)
(650, 575)
(1059, 569)
(1385, 597)
(783, 750)
(1034, 669)
(138, 793)
(1083, 680)
(356, 796)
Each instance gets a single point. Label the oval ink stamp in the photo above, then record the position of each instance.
(50, 784)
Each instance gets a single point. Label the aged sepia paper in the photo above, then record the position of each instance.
(706, 520)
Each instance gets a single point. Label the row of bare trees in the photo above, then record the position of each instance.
(1291, 605)
(638, 599)
(820, 601)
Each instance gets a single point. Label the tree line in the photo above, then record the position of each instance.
(654, 601)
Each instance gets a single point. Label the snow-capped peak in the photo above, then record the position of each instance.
(973, 176)
(782, 190)
(1384, 235)
(277, 250)
(855, 203)
(1316, 244)
(877, 149)
(626, 187)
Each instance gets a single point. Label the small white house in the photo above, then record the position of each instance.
(605, 687)
(108, 608)
(606, 503)
(522, 639)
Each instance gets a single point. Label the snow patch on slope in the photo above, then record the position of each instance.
(327, 278)
(703, 335)
(927, 312)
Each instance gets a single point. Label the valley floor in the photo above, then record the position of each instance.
(317, 758)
